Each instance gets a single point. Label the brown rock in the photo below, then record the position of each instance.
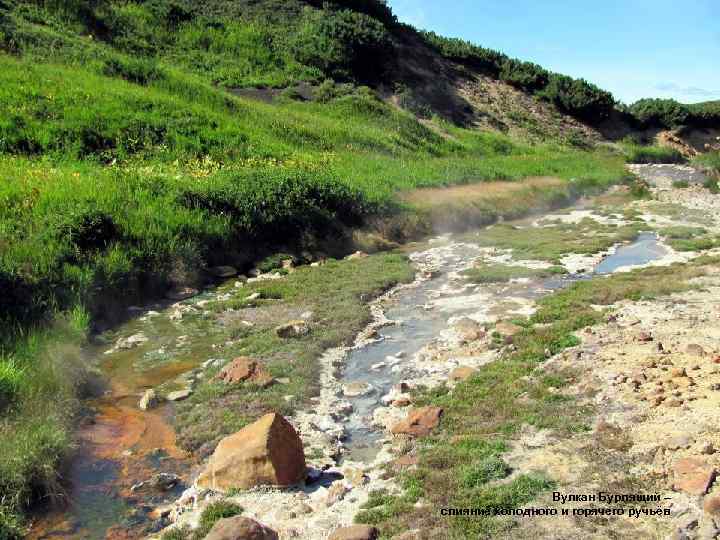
(644, 337)
(711, 505)
(244, 369)
(678, 372)
(401, 402)
(419, 422)
(462, 373)
(695, 349)
(355, 532)
(293, 329)
(240, 528)
(693, 475)
(267, 452)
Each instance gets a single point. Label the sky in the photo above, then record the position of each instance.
(634, 48)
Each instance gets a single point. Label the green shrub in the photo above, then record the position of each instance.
(666, 113)
(578, 97)
(524, 75)
(213, 513)
(486, 60)
(343, 44)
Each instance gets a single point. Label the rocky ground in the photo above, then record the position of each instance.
(652, 374)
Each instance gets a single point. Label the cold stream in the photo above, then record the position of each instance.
(122, 446)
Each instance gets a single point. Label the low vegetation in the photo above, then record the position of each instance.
(460, 464)
(499, 273)
(554, 240)
(335, 295)
(639, 153)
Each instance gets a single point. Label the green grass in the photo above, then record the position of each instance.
(39, 381)
(553, 241)
(461, 463)
(684, 238)
(710, 161)
(637, 153)
(499, 273)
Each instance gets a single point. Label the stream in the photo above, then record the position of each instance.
(121, 447)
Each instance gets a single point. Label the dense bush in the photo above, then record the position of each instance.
(578, 97)
(459, 50)
(666, 113)
(524, 75)
(344, 44)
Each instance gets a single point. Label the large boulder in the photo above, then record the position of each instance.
(267, 452)
(355, 532)
(240, 528)
(419, 422)
(244, 369)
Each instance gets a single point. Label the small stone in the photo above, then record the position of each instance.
(711, 505)
(302, 509)
(179, 395)
(356, 389)
(462, 373)
(644, 337)
(149, 400)
(240, 528)
(706, 448)
(356, 477)
(419, 422)
(245, 369)
(678, 442)
(293, 329)
(336, 492)
(355, 532)
(356, 255)
(674, 402)
(678, 372)
(253, 296)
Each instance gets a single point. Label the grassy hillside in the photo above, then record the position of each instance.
(128, 167)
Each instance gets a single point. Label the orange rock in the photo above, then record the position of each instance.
(244, 369)
(267, 452)
(693, 475)
(419, 422)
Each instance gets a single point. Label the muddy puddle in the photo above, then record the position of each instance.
(128, 462)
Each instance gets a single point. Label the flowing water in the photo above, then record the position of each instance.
(121, 445)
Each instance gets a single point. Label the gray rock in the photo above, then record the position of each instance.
(179, 395)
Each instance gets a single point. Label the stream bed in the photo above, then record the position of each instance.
(121, 447)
